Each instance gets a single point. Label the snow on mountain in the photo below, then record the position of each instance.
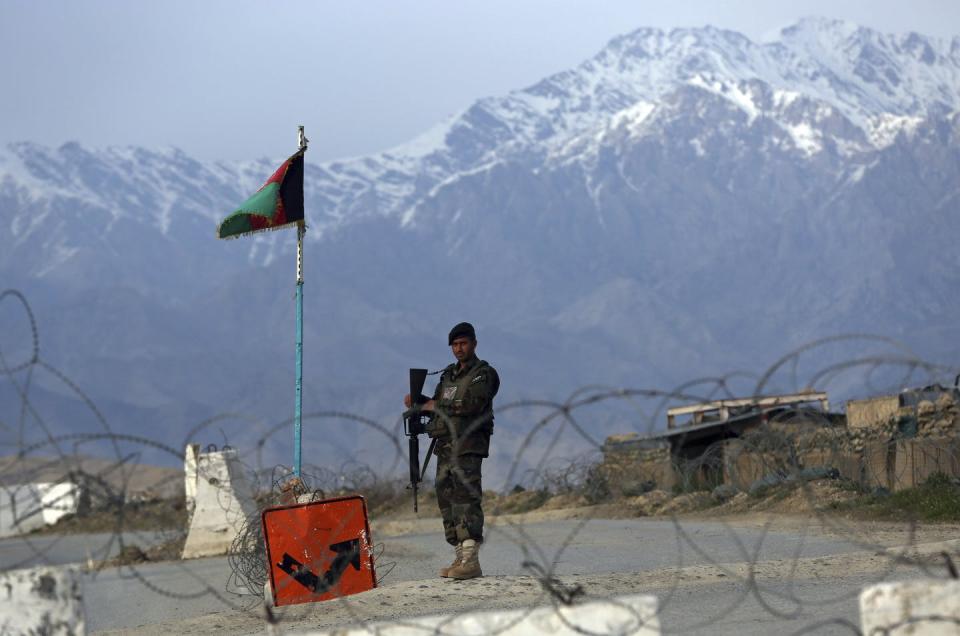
(882, 84)
(683, 203)
(864, 73)
(819, 79)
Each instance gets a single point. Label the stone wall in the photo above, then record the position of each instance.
(873, 411)
(631, 464)
(898, 452)
(940, 418)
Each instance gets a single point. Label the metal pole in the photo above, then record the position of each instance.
(297, 410)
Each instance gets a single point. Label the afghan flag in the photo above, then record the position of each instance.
(279, 203)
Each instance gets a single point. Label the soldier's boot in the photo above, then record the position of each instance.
(458, 549)
(469, 567)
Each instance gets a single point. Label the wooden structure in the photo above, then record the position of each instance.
(722, 410)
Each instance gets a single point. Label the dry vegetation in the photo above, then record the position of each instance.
(935, 500)
(157, 514)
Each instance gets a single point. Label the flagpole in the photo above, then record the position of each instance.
(297, 409)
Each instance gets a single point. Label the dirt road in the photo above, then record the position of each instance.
(750, 575)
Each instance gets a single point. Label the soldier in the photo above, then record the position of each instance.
(462, 424)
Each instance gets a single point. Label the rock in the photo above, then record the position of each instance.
(648, 504)
(767, 481)
(131, 554)
(945, 401)
(634, 488)
(687, 503)
(925, 407)
(815, 472)
(723, 492)
(568, 500)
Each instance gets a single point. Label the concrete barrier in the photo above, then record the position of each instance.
(41, 601)
(26, 507)
(921, 608)
(190, 459)
(223, 502)
(15, 501)
(58, 501)
(620, 615)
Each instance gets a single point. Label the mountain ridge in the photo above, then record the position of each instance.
(589, 96)
(656, 214)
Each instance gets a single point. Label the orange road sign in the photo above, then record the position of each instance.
(319, 550)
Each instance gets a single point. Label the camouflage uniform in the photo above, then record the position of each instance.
(463, 424)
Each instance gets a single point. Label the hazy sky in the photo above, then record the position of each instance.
(232, 79)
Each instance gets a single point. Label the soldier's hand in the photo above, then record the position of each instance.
(407, 401)
(435, 428)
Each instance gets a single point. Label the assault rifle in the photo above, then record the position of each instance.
(415, 424)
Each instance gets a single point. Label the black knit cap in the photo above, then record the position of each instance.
(463, 329)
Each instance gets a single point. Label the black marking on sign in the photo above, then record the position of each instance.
(348, 553)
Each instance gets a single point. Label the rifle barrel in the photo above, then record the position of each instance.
(413, 425)
(417, 379)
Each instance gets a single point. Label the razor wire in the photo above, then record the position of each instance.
(796, 453)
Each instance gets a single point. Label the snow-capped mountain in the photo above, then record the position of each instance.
(683, 203)
(818, 74)
(881, 84)
(878, 84)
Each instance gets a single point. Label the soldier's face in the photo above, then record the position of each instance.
(463, 348)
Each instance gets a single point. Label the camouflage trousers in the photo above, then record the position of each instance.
(459, 495)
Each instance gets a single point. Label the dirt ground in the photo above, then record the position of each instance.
(826, 501)
(823, 495)
(878, 550)
(158, 514)
(390, 602)
(813, 505)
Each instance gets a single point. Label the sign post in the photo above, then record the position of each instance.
(298, 406)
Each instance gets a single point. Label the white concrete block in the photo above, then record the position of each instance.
(923, 608)
(224, 501)
(26, 507)
(59, 500)
(635, 615)
(16, 501)
(190, 475)
(41, 601)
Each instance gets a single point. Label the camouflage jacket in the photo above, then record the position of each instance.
(463, 419)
